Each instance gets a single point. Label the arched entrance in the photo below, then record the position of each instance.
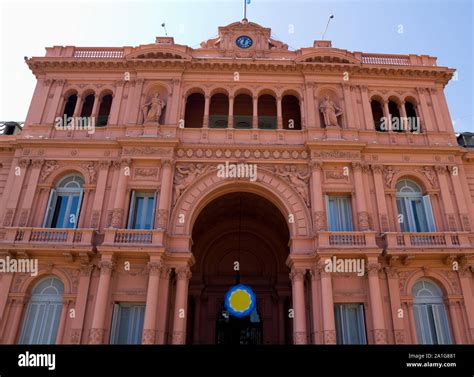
(249, 229)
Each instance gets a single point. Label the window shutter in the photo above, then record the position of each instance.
(115, 324)
(53, 195)
(441, 324)
(422, 321)
(429, 213)
(154, 210)
(78, 211)
(131, 214)
(328, 216)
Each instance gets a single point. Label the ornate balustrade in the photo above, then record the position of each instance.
(125, 237)
(346, 239)
(427, 240)
(79, 237)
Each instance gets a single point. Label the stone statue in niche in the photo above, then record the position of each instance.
(153, 109)
(330, 112)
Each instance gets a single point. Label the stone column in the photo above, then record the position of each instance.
(465, 276)
(18, 305)
(300, 335)
(6, 279)
(78, 108)
(183, 274)
(95, 108)
(230, 120)
(327, 305)
(99, 193)
(118, 212)
(317, 199)
(116, 103)
(446, 198)
(387, 116)
(310, 107)
(379, 330)
(315, 302)
(15, 190)
(81, 303)
(366, 107)
(149, 324)
(279, 113)
(166, 192)
(173, 108)
(411, 319)
(96, 335)
(395, 305)
(362, 214)
(55, 107)
(62, 322)
(30, 192)
(255, 112)
(461, 200)
(349, 114)
(380, 197)
(136, 102)
(427, 120)
(455, 321)
(163, 307)
(205, 121)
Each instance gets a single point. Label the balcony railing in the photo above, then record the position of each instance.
(242, 121)
(267, 122)
(346, 239)
(427, 240)
(80, 237)
(125, 237)
(218, 121)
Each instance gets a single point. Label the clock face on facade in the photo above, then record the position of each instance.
(244, 41)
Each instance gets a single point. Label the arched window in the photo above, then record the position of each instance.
(219, 111)
(394, 111)
(88, 105)
(414, 208)
(267, 112)
(64, 203)
(70, 105)
(413, 121)
(431, 320)
(291, 113)
(43, 314)
(377, 115)
(243, 111)
(194, 112)
(104, 110)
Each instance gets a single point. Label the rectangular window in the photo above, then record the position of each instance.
(431, 324)
(127, 324)
(339, 213)
(350, 324)
(63, 209)
(142, 210)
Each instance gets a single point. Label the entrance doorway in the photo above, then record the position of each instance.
(249, 229)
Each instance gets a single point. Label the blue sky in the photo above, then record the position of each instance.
(444, 29)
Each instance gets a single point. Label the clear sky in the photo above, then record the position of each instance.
(441, 28)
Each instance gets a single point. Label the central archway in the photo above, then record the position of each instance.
(246, 228)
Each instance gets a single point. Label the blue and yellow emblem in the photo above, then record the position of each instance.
(240, 300)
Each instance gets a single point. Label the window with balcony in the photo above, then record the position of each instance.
(291, 112)
(41, 322)
(64, 203)
(219, 111)
(339, 213)
(377, 115)
(350, 324)
(194, 111)
(127, 323)
(267, 112)
(70, 105)
(104, 110)
(432, 326)
(243, 111)
(415, 213)
(142, 210)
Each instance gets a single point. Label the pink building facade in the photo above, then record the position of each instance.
(355, 228)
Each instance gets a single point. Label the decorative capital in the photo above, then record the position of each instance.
(24, 162)
(378, 169)
(391, 272)
(165, 272)
(297, 274)
(441, 169)
(37, 164)
(106, 267)
(373, 268)
(154, 268)
(357, 165)
(183, 273)
(104, 164)
(315, 165)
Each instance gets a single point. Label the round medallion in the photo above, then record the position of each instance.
(244, 41)
(240, 300)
